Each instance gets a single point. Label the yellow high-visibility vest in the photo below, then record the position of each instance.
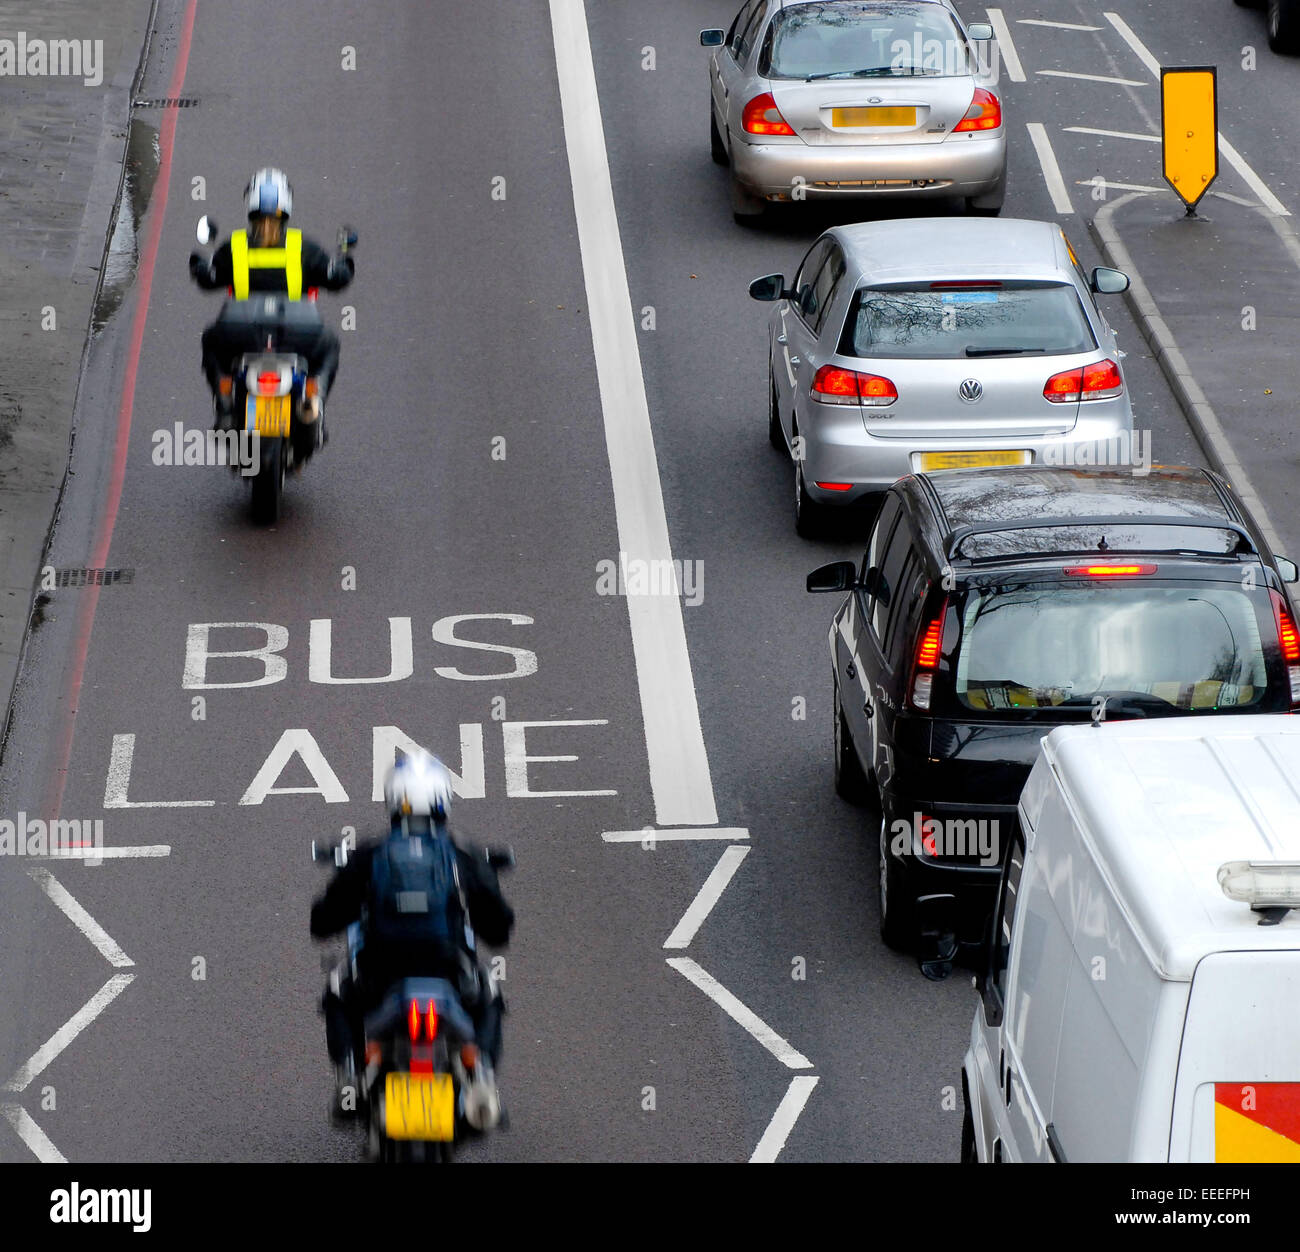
(289, 259)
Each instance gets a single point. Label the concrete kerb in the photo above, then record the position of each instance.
(11, 667)
(1199, 414)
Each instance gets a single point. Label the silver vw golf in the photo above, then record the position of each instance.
(939, 343)
(823, 98)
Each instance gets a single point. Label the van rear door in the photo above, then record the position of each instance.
(1237, 1096)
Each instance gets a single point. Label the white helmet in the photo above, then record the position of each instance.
(268, 192)
(419, 785)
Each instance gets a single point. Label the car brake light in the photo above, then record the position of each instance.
(1099, 381)
(1108, 571)
(431, 1022)
(985, 112)
(268, 382)
(970, 284)
(762, 117)
(832, 384)
(1289, 641)
(836, 486)
(413, 1021)
(928, 845)
(927, 660)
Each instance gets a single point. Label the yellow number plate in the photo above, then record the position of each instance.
(874, 117)
(419, 1106)
(269, 415)
(971, 460)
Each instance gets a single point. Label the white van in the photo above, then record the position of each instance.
(1141, 998)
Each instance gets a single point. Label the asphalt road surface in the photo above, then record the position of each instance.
(489, 462)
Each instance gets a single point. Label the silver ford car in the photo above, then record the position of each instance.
(939, 343)
(822, 98)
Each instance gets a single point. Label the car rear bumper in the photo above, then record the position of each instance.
(839, 448)
(965, 165)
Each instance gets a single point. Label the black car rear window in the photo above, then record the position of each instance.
(1148, 648)
(941, 322)
(864, 40)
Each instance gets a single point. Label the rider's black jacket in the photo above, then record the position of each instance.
(489, 914)
(319, 269)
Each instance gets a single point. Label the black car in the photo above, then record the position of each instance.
(1283, 18)
(993, 605)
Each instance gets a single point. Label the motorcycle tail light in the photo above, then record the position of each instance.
(431, 1022)
(413, 1021)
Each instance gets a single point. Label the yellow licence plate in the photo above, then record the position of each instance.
(971, 460)
(419, 1106)
(874, 117)
(269, 415)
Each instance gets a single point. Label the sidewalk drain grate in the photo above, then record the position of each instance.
(167, 102)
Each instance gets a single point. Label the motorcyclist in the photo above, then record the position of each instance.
(417, 791)
(269, 257)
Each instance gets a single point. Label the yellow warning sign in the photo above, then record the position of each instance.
(1189, 128)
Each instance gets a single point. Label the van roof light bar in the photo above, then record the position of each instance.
(1269, 887)
(959, 535)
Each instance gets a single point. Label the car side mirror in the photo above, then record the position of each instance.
(1107, 282)
(1287, 568)
(937, 917)
(347, 238)
(712, 38)
(207, 230)
(769, 287)
(980, 31)
(838, 576)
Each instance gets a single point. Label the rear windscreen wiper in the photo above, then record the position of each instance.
(974, 351)
(872, 71)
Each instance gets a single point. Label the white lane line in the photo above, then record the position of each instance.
(33, 1136)
(1051, 171)
(666, 836)
(1094, 78)
(80, 918)
(709, 894)
(783, 1120)
(1111, 134)
(69, 1031)
(94, 854)
(1108, 186)
(1038, 21)
(1006, 46)
(1167, 346)
(679, 764)
(1233, 157)
(784, 1052)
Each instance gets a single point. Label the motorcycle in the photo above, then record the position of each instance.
(420, 1053)
(269, 388)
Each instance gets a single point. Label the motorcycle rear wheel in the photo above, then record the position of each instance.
(268, 485)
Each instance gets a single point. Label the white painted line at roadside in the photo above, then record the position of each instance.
(784, 1052)
(1051, 171)
(1167, 351)
(69, 1031)
(783, 1120)
(1006, 46)
(80, 918)
(1094, 78)
(1234, 158)
(108, 854)
(652, 836)
(1038, 21)
(709, 894)
(679, 765)
(1111, 134)
(34, 1137)
(1102, 183)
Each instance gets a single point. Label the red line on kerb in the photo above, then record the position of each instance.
(108, 519)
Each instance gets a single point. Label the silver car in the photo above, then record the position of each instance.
(824, 98)
(939, 343)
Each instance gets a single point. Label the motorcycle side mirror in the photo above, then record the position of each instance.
(347, 238)
(207, 230)
(501, 858)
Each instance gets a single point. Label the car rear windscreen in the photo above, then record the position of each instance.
(1011, 319)
(1147, 649)
(864, 40)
